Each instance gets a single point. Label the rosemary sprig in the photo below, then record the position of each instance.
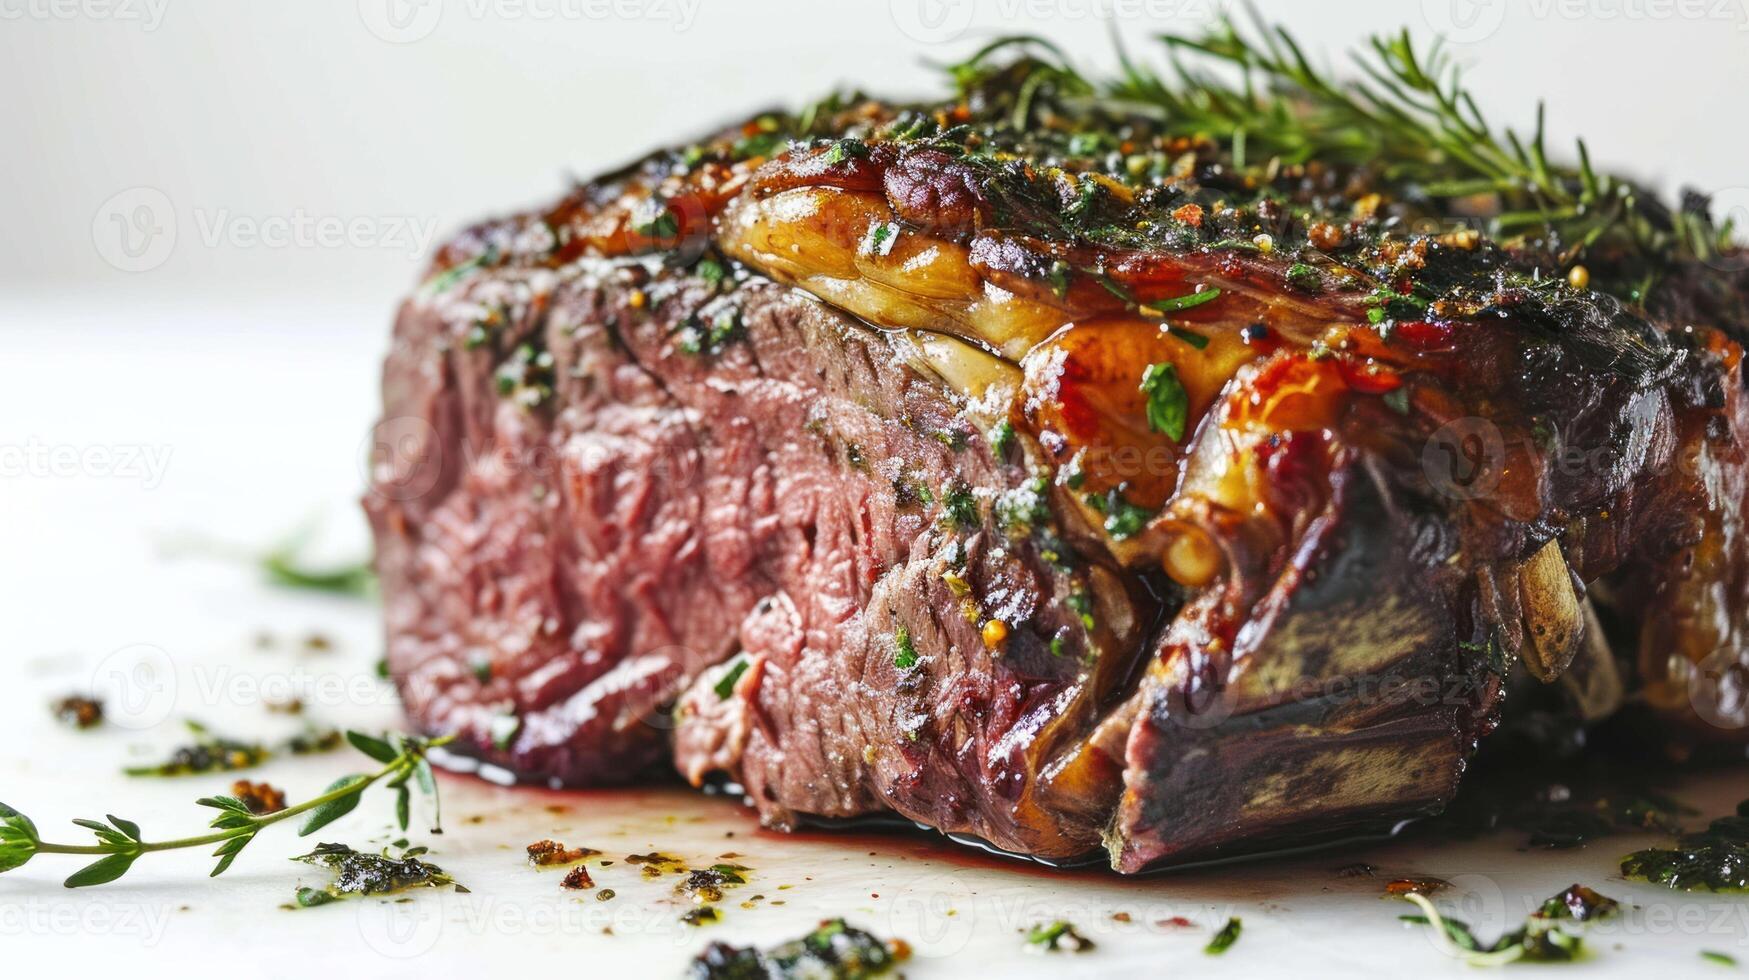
(1402, 115)
(120, 842)
(1410, 114)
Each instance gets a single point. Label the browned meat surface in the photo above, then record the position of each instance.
(920, 465)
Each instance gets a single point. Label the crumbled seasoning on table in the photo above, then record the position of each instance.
(77, 711)
(1057, 937)
(656, 864)
(834, 951)
(1418, 885)
(358, 873)
(547, 853)
(707, 884)
(704, 915)
(260, 798)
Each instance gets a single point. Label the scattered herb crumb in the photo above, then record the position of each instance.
(1057, 937)
(1715, 859)
(725, 684)
(76, 711)
(833, 951)
(577, 879)
(358, 873)
(259, 798)
(904, 651)
(1225, 938)
(549, 853)
(1418, 886)
(704, 915)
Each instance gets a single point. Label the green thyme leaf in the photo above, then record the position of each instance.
(334, 809)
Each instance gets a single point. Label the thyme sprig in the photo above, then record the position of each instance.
(120, 842)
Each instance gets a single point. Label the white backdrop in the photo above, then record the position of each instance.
(390, 121)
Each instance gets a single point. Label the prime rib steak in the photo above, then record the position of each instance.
(946, 462)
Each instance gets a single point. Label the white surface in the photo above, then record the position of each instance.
(261, 413)
(227, 389)
(247, 116)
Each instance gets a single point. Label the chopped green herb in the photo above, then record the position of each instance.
(1001, 438)
(1028, 506)
(711, 271)
(1185, 302)
(1057, 937)
(1715, 859)
(527, 376)
(1081, 604)
(1058, 277)
(442, 281)
(1722, 959)
(1304, 278)
(1397, 400)
(658, 220)
(961, 506)
(845, 149)
(724, 329)
(1168, 403)
(1225, 938)
(725, 684)
(703, 915)
(834, 951)
(1191, 337)
(904, 651)
(881, 237)
(481, 665)
(503, 731)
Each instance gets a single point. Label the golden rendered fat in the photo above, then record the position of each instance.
(1079, 380)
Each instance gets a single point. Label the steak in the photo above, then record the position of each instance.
(944, 462)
